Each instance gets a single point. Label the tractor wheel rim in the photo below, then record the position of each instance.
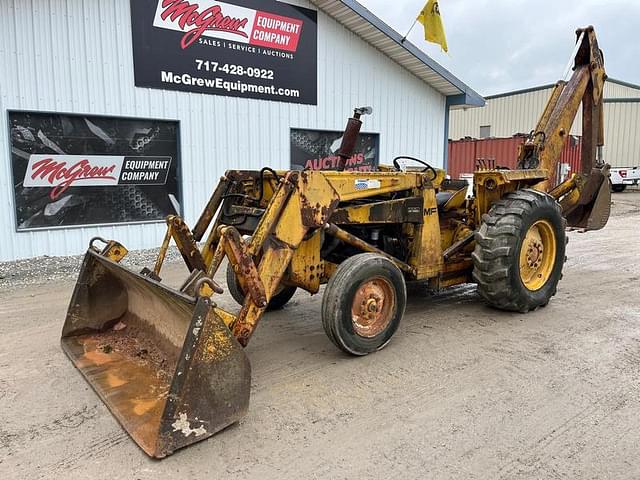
(373, 306)
(538, 255)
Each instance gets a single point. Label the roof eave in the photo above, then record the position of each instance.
(449, 85)
(468, 99)
(623, 83)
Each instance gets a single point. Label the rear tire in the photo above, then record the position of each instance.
(363, 303)
(520, 251)
(278, 301)
(618, 188)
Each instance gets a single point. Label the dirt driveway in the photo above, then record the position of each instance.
(463, 391)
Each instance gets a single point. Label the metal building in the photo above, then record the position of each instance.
(76, 57)
(517, 112)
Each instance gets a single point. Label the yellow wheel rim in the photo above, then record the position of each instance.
(538, 255)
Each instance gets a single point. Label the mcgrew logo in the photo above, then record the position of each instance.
(188, 15)
(236, 23)
(61, 177)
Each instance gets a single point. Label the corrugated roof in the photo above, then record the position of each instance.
(374, 31)
(551, 85)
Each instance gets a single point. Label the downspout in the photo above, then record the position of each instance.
(447, 108)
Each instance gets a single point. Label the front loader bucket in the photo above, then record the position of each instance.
(164, 363)
(594, 213)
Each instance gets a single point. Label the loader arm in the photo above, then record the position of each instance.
(301, 206)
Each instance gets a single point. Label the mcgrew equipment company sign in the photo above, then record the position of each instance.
(59, 172)
(71, 170)
(255, 49)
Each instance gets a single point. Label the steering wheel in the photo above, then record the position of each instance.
(426, 168)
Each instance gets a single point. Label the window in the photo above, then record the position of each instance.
(485, 131)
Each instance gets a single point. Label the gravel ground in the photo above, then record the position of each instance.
(40, 270)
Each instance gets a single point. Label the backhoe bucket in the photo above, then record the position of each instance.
(594, 212)
(163, 362)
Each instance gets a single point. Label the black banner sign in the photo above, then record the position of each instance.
(84, 170)
(317, 150)
(255, 49)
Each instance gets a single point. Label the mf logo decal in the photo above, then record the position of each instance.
(430, 211)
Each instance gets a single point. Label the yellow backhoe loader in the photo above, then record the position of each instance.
(169, 363)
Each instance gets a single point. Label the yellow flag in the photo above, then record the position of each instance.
(433, 27)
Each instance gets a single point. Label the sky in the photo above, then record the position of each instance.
(496, 46)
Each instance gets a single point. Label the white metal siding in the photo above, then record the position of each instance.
(76, 56)
(617, 90)
(506, 115)
(519, 113)
(622, 134)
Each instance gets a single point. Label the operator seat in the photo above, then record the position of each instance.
(442, 198)
(452, 196)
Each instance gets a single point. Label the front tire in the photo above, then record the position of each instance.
(363, 303)
(279, 300)
(520, 251)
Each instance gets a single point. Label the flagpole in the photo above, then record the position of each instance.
(408, 32)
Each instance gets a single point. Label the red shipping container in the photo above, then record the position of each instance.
(502, 152)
